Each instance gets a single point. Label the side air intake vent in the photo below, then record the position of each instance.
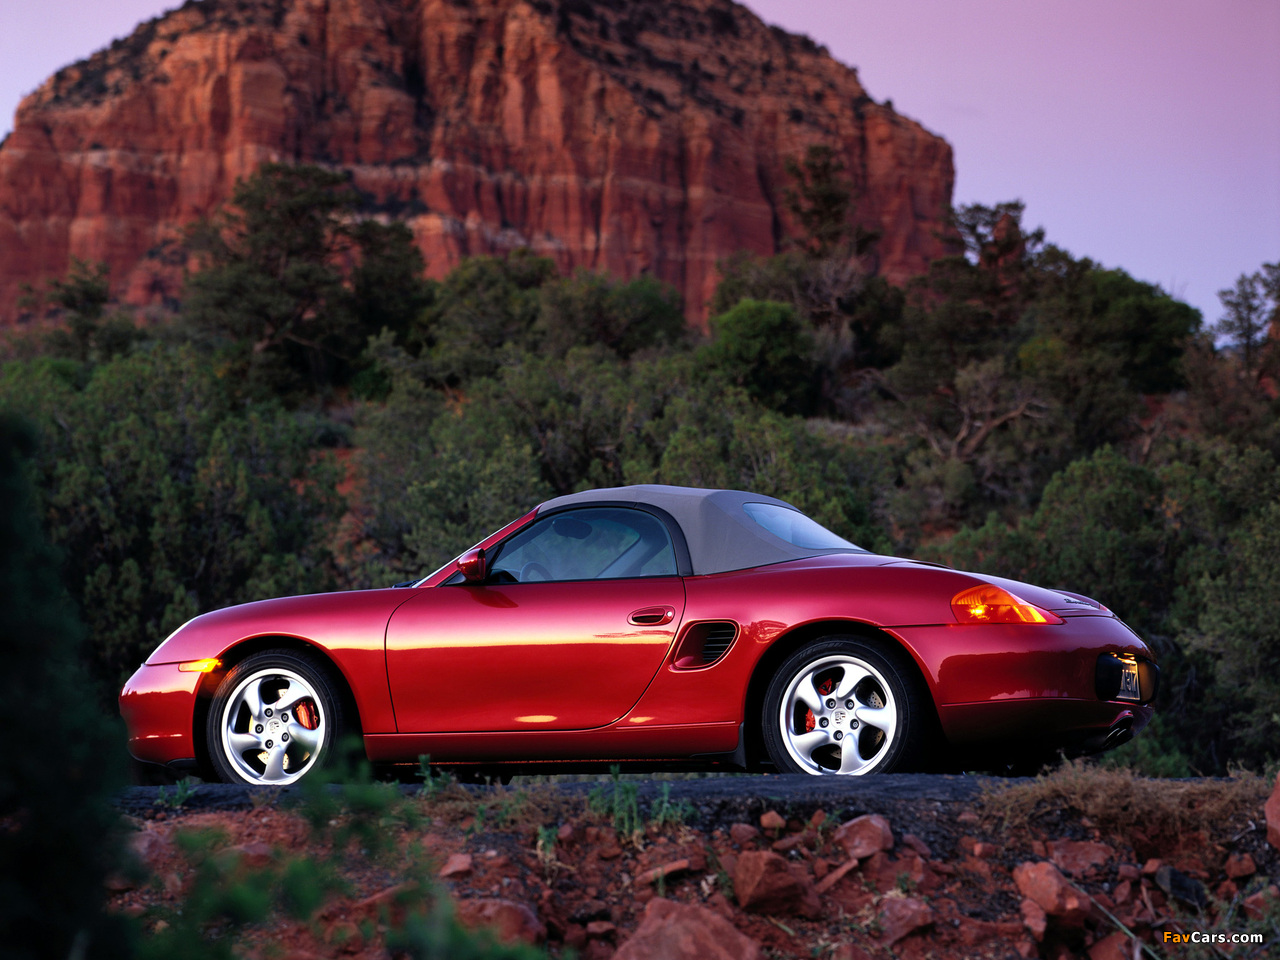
(705, 643)
(719, 637)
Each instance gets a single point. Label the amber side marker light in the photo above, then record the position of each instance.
(200, 666)
(989, 604)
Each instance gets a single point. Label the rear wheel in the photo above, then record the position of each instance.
(845, 705)
(274, 718)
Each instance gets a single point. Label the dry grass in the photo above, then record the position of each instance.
(1119, 801)
(499, 808)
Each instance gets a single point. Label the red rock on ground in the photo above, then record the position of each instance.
(743, 833)
(835, 876)
(677, 931)
(772, 820)
(1034, 918)
(1077, 857)
(649, 876)
(863, 836)
(901, 916)
(1115, 946)
(794, 841)
(456, 865)
(1240, 865)
(1272, 810)
(1256, 906)
(764, 883)
(1045, 884)
(345, 935)
(254, 855)
(510, 921)
(973, 932)
(918, 845)
(883, 872)
(152, 846)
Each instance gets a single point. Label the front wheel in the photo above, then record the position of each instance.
(274, 718)
(844, 705)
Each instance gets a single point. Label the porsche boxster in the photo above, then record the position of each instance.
(649, 623)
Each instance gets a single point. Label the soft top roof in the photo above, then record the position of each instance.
(719, 534)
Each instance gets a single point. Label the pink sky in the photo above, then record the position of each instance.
(1142, 133)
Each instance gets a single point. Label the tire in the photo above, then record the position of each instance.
(878, 702)
(274, 718)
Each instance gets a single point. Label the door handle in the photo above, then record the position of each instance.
(652, 616)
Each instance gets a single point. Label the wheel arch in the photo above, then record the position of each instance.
(793, 640)
(244, 649)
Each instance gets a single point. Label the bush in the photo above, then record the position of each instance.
(762, 347)
(59, 757)
(1240, 627)
(623, 316)
(170, 501)
(1098, 531)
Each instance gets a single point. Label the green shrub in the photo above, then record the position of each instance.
(59, 757)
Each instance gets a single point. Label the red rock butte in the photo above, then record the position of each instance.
(628, 136)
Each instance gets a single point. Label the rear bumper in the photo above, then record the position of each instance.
(158, 706)
(1031, 683)
(1077, 726)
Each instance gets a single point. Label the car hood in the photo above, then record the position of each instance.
(355, 618)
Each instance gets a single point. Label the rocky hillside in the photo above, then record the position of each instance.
(628, 136)
(1082, 864)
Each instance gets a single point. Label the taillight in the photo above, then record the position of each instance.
(991, 604)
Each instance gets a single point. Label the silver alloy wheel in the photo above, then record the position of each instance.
(853, 711)
(263, 737)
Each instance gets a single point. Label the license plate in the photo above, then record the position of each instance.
(1129, 687)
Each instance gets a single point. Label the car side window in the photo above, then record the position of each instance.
(597, 543)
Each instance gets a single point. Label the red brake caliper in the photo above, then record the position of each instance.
(823, 688)
(307, 715)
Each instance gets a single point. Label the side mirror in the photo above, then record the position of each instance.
(473, 566)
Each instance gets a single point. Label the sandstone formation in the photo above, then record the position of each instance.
(633, 136)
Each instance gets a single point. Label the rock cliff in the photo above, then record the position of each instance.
(619, 135)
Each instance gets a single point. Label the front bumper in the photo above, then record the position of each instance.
(158, 705)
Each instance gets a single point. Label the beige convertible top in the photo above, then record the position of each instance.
(720, 533)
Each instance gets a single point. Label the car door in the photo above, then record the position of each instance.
(574, 619)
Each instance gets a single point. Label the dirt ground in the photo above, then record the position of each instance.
(1084, 863)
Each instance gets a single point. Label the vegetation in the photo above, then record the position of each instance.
(356, 826)
(320, 415)
(59, 759)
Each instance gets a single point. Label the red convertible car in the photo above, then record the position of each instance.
(649, 623)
